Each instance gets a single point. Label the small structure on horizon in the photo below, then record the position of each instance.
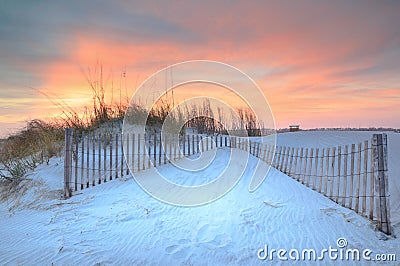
(294, 128)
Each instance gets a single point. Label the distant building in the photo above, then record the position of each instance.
(294, 128)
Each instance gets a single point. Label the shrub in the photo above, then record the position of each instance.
(36, 144)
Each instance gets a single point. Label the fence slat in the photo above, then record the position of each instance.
(282, 156)
(159, 149)
(105, 158)
(127, 154)
(381, 182)
(296, 158)
(315, 169)
(285, 170)
(332, 179)
(116, 156)
(164, 148)
(298, 174)
(303, 177)
(264, 153)
(154, 149)
(270, 154)
(175, 146)
(133, 153)
(148, 154)
(184, 145)
(321, 170)
(138, 152)
(170, 147)
(67, 162)
(122, 155)
(310, 167)
(282, 159)
(352, 159)
(291, 162)
(356, 207)
(327, 172)
(277, 156)
(193, 150)
(345, 175)
(143, 152)
(87, 160)
(339, 164)
(93, 159)
(99, 157)
(111, 156)
(75, 133)
(372, 186)
(364, 183)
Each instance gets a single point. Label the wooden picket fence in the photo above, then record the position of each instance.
(95, 158)
(353, 176)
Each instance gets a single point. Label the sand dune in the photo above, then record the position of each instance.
(118, 223)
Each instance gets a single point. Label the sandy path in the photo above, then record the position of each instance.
(117, 223)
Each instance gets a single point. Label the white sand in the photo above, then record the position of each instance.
(118, 223)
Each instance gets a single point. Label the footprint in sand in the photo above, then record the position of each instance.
(210, 236)
(180, 247)
(173, 249)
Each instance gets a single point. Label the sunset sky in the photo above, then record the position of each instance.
(319, 63)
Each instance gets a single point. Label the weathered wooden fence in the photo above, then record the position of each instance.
(353, 176)
(95, 158)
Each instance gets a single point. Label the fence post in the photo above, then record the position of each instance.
(296, 157)
(315, 169)
(339, 164)
(364, 187)
(310, 166)
(99, 157)
(116, 156)
(358, 181)
(83, 158)
(67, 162)
(75, 160)
(379, 144)
(105, 157)
(321, 170)
(159, 150)
(93, 158)
(298, 174)
(283, 155)
(326, 172)
(332, 173)
(87, 159)
(289, 173)
(303, 177)
(346, 151)
(371, 189)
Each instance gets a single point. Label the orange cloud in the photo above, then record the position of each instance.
(315, 67)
